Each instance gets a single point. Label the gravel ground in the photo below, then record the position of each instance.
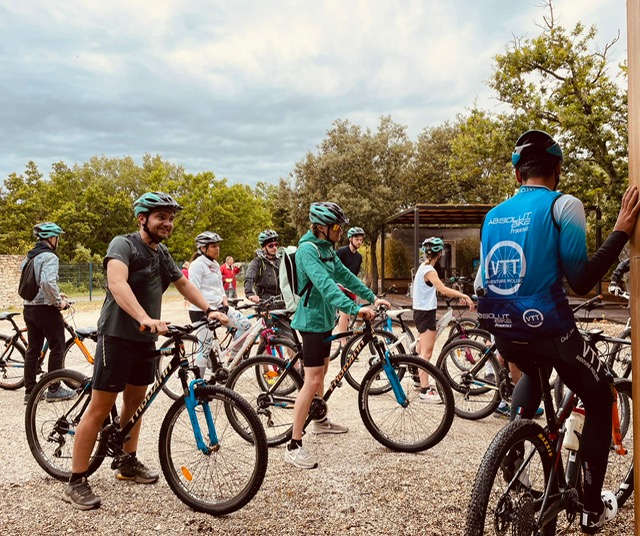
(359, 488)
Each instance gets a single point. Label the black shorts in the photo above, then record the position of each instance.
(425, 320)
(119, 362)
(315, 348)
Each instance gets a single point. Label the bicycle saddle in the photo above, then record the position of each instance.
(7, 316)
(87, 332)
(396, 313)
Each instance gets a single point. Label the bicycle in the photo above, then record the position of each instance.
(78, 353)
(526, 478)
(206, 463)
(268, 329)
(390, 407)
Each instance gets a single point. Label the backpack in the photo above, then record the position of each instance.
(288, 278)
(28, 287)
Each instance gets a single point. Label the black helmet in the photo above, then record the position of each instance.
(154, 201)
(268, 235)
(535, 145)
(327, 213)
(206, 238)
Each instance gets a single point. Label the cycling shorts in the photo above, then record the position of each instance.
(119, 362)
(315, 348)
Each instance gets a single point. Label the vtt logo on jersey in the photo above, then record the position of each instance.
(533, 318)
(505, 267)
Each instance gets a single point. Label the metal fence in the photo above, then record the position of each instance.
(82, 280)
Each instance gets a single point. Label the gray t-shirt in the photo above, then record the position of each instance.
(150, 273)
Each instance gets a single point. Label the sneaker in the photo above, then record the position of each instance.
(327, 427)
(80, 496)
(300, 458)
(503, 411)
(431, 396)
(61, 393)
(130, 468)
(591, 522)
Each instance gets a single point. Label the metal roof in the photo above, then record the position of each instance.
(441, 215)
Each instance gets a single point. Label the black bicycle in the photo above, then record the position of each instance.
(390, 406)
(207, 464)
(530, 480)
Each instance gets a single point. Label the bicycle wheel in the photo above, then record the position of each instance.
(474, 377)
(11, 363)
(79, 355)
(173, 387)
(619, 477)
(397, 329)
(51, 426)
(253, 380)
(412, 425)
(229, 474)
(475, 334)
(619, 359)
(368, 356)
(510, 481)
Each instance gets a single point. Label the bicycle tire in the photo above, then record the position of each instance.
(11, 363)
(412, 427)
(619, 476)
(619, 359)
(476, 394)
(229, 475)
(498, 509)
(173, 387)
(367, 357)
(252, 380)
(50, 426)
(75, 359)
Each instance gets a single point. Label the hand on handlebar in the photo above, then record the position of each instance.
(154, 325)
(380, 301)
(615, 290)
(367, 313)
(254, 298)
(220, 316)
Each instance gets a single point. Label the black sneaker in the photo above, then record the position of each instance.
(80, 496)
(130, 468)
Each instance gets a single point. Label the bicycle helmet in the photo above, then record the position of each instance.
(355, 231)
(327, 213)
(535, 145)
(266, 236)
(432, 245)
(47, 229)
(155, 201)
(206, 238)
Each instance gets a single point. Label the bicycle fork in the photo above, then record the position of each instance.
(192, 403)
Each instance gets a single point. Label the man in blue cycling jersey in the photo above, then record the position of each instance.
(529, 243)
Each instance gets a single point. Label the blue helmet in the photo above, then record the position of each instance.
(432, 245)
(154, 201)
(266, 236)
(47, 229)
(355, 231)
(535, 145)
(327, 213)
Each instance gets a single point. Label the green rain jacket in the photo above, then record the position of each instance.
(324, 271)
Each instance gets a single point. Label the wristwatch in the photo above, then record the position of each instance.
(209, 310)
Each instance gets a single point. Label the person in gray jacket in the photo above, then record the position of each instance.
(261, 280)
(42, 314)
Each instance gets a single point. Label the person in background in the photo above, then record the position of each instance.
(185, 272)
(229, 273)
(42, 315)
(352, 259)
(261, 281)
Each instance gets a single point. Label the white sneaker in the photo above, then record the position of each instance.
(300, 458)
(327, 427)
(591, 522)
(431, 397)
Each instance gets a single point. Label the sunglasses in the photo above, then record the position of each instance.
(270, 244)
(336, 227)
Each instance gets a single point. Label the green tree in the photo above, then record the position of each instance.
(560, 81)
(360, 170)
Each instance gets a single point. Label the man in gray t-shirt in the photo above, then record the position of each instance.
(139, 269)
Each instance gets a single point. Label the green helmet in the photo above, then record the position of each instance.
(355, 231)
(535, 145)
(48, 229)
(155, 201)
(268, 235)
(432, 245)
(327, 213)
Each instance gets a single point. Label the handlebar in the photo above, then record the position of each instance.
(590, 304)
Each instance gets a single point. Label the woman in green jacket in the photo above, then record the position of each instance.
(317, 262)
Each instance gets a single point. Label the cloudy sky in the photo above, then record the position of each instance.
(245, 88)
